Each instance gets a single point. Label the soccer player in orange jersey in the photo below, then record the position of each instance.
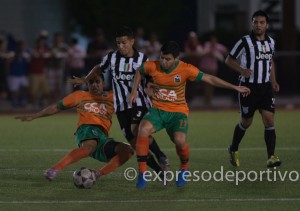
(170, 109)
(94, 110)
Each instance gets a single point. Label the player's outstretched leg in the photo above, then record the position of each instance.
(72, 157)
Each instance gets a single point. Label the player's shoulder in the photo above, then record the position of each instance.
(184, 65)
(80, 92)
(151, 64)
(270, 39)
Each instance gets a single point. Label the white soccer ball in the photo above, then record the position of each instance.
(84, 178)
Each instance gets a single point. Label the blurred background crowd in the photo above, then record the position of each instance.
(47, 42)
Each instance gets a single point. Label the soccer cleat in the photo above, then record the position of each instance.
(181, 180)
(234, 157)
(164, 163)
(50, 174)
(141, 182)
(97, 174)
(273, 161)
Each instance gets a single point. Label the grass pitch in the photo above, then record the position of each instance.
(28, 148)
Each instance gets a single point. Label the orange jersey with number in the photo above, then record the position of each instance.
(91, 109)
(171, 95)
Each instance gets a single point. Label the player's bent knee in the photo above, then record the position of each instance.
(121, 147)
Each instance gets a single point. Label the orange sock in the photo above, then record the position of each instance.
(142, 149)
(184, 155)
(73, 156)
(115, 162)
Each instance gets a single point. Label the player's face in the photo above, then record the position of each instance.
(167, 61)
(96, 85)
(124, 45)
(259, 25)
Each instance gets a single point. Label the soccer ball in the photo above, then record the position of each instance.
(84, 178)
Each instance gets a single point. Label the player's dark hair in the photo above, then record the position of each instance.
(99, 72)
(171, 47)
(260, 13)
(125, 31)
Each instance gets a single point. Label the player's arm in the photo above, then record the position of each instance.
(275, 85)
(218, 82)
(79, 81)
(232, 63)
(137, 80)
(50, 110)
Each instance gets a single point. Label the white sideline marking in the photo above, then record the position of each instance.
(164, 149)
(149, 201)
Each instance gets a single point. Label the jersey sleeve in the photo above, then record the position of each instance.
(237, 50)
(146, 68)
(105, 63)
(194, 73)
(69, 101)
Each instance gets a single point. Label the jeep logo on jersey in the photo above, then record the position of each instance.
(124, 77)
(267, 56)
(177, 78)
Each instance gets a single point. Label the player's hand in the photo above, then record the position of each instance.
(275, 86)
(151, 89)
(76, 81)
(246, 73)
(245, 91)
(25, 118)
(132, 98)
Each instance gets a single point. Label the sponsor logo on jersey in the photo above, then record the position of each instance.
(267, 56)
(167, 95)
(95, 108)
(124, 77)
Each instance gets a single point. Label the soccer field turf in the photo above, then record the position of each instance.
(28, 148)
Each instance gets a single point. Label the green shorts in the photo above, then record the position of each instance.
(85, 132)
(172, 121)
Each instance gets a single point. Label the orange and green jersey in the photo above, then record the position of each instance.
(91, 109)
(171, 95)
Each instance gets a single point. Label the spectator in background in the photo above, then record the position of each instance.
(45, 36)
(56, 66)
(193, 51)
(75, 61)
(39, 85)
(152, 47)
(97, 48)
(5, 55)
(139, 39)
(213, 53)
(18, 76)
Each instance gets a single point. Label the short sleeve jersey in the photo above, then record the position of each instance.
(171, 95)
(91, 109)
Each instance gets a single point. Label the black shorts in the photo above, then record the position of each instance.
(109, 149)
(128, 117)
(261, 97)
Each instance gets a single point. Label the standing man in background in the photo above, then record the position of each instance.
(252, 58)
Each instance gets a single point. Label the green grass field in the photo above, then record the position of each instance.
(29, 148)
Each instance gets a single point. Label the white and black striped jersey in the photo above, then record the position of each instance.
(122, 70)
(255, 55)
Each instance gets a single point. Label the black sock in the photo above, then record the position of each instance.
(270, 139)
(156, 150)
(153, 164)
(238, 134)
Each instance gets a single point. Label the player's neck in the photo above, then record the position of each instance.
(261, 37)
(130, 53)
